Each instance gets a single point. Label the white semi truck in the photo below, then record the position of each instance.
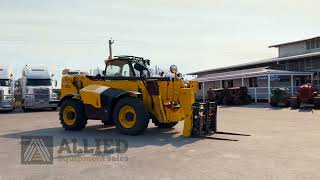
(7, 100)
(36, 89)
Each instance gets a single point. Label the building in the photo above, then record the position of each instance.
(297, 63)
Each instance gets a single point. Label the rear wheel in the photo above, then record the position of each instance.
(72, 115)
(130, 116)
(316, 102)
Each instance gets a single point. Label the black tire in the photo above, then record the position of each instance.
(80, 116)
(25, 109)
(316, 103)
(227, 101)
(54, 108)
(141, 115)
(273, 104)
(165, 125)
(237, 101)
(248, 99)
(287, 103)
(294, 103)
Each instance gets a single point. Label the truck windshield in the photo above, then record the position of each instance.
(4, 82)
(39, 82)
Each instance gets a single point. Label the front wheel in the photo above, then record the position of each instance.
(294, 103)
(24, 109)
(72, 115)
(130, 116)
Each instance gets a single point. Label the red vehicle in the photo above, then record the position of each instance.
(307, 94)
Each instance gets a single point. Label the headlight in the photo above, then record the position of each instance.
(54, 96)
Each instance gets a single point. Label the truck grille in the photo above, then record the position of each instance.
(1, 94)
(42, 94)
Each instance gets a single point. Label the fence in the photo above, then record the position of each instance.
(261, 93)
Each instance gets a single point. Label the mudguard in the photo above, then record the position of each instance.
(68, 96)
(102, 96)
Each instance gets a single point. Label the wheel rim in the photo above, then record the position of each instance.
(127, 116)
(69, 115)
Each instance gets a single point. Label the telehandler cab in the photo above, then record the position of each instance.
(128, 97)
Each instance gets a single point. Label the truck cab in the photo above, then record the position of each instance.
(36, 89)
(7, 100)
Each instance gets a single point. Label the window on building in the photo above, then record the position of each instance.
(253, 82)
(315, 78)
(313, 44)
(230, 83)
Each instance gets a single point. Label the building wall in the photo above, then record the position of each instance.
(304, 64)
(295, 49)
(292, 49)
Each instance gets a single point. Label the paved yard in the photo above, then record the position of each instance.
(271, 144)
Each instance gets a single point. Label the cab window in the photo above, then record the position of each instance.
(126, 70)
(118, 68)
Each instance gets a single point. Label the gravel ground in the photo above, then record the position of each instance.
(266, 144)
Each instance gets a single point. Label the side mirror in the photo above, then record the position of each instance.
(55, 83)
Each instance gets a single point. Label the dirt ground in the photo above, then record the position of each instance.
(256, 142)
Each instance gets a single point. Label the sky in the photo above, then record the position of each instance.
(194, 35)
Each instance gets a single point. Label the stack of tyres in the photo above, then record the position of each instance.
(232, 96)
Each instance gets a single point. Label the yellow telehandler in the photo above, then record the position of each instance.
(127, 96)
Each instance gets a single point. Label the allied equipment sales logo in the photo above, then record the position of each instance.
(36, 150)
(39, 150)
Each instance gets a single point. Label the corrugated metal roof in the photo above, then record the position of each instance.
(255, 72)
(309, 39)
(258, 62)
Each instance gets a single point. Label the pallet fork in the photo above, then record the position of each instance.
(204, 119)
